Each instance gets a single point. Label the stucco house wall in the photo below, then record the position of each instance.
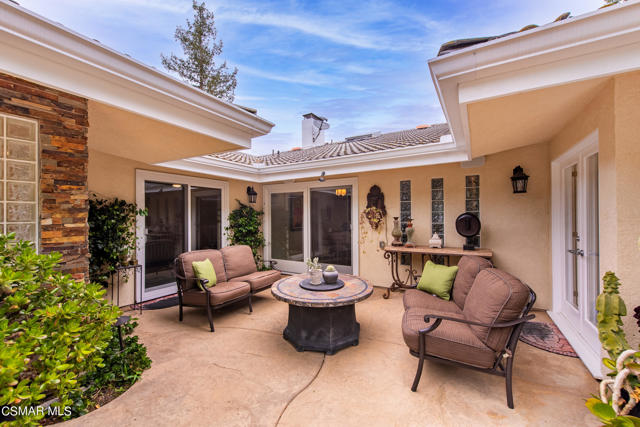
(515, 226)
(614, 114)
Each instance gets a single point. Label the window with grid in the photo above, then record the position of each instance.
(18, 177)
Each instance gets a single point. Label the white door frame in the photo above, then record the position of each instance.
(145, 175)
(584, 337)
(305, 188)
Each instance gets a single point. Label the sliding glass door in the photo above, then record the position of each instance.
(183, 214)
(312, 219)
(331, 221)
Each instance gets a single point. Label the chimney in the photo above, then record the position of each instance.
(313, 127)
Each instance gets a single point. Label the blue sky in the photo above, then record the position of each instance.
(362, 64)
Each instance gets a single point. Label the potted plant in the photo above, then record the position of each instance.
(330, 275)
(315, 271)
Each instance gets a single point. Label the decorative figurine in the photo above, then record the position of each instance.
(409, 230)
(396, 232)
(435, 241)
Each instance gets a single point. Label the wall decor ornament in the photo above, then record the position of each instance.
(375, 217)
(375, 199)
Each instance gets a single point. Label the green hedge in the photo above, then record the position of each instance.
(54, 330)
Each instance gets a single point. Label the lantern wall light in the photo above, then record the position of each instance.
(519, 180)
(253, 195)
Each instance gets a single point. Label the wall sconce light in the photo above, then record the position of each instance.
(341, 192)
(519, 180)
(252, 194)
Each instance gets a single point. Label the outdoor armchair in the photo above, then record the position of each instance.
(482, 336)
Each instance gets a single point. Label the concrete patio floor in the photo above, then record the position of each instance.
(246, 374)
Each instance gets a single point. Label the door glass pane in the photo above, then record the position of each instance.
(571, 236)
(287, 221)
(206, 218)
(593, 229)
(331, 226)
(165, 231)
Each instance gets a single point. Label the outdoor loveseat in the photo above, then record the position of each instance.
(237, 279)
(478, 328)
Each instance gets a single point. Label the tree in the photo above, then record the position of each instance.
(200, 48)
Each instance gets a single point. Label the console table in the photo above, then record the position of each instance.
(392, 253)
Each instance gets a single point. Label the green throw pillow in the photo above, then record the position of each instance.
(438, 279)
(204, 270)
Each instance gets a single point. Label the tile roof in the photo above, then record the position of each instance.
(351, 146)
(462, 43)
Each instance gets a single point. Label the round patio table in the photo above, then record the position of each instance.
(322, 321)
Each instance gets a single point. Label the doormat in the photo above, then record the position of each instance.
(164, 302)
(547, 337)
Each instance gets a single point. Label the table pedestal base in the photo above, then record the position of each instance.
(324, 329)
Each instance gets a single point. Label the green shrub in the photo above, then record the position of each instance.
(54, 329)
(121, 368)
(245, 228)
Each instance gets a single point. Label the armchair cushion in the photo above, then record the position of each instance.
(238, 261)
(414, 298)
(496, 296)
(260, 279)
(185, 268)
(219, 294)
(468, 268)
(437, 279)
(450, 340)
(204, 270)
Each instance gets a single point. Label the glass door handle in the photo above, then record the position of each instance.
(579, 252)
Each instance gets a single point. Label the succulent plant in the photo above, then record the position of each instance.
(313, 264)
(330, 268)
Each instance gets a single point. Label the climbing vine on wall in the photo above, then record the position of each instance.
(112, 236)
(245, 228)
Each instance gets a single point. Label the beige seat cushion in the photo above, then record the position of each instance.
(450, 340)
(220, 293)
(468, 268)
(496, 296)
(185, 269)
(238, 261)
(260, 279)
(415, 298)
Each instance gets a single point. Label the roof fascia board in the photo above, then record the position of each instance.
(40, 50)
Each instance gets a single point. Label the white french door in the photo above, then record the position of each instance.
(184, 214)
(575, 236)
(312, 219)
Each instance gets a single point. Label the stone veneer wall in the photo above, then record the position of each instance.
(64, 197)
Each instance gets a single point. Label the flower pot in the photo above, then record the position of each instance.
(316, 276)
(330, 277)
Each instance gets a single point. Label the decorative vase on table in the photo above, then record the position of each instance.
(409, 230)
(330, 275)
(316, 276)
(435, 241)
(396, 232)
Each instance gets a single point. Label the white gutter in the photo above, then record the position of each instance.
(429, 154)
(37, 49)
(597, 44)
